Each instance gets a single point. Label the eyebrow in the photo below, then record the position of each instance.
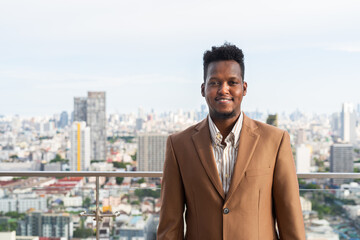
(229, 79)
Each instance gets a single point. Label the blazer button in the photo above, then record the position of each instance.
(226, 210)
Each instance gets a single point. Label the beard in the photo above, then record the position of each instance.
(224, 115)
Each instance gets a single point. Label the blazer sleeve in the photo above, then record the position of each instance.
(286, 194)
(171, 222)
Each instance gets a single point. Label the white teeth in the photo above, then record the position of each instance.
(224, 100)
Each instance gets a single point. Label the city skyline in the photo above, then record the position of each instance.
(298, 55)
(301, 66)
(198, 108)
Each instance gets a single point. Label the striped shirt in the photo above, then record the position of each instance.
(225, 155)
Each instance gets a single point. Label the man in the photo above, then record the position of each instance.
(234, 177)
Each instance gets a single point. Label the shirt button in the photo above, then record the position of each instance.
(226, 210)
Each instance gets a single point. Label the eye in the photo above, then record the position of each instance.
(213, 83)
(232, 82)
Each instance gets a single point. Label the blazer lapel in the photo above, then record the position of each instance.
(247, 144)
(203, 147)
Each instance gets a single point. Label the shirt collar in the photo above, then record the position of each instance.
(232, 138)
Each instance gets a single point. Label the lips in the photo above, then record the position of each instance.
(224, 100)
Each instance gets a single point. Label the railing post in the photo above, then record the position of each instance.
(97, 213)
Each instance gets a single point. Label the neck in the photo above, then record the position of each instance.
(225, 125)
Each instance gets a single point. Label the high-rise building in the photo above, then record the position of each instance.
(151, 151)
(64, 119)
(203, 112)
(96, 120)
(80, 147)
(336, 124)
(141, 113)
(301, 136)
(303, 158)
(348, 123)
(46, 225)
(92, 110)
(139, 124)
(80, 106)
(341, 159)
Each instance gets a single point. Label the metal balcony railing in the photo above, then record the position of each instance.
(98, 216)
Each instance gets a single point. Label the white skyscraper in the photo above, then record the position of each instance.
(303, 158)
(80, 147)
(301, 136)
(151, 151)
(348, 133)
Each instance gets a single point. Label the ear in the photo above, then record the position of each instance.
(203, 89)
(244, 88)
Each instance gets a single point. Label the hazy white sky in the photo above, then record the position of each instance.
(298, 54)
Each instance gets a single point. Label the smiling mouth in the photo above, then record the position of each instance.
(223, 100)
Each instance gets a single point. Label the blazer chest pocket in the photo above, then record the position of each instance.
(258, 172)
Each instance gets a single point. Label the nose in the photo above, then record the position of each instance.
(223, 89)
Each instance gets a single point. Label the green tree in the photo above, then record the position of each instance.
(127, 139)
(58, 158)
(14, 157)
(319, 164)
(96, 161)
(312, 186)
(272, 120)
(141, 193)
(348, 201)
(119, 164)
(326, 204)
(83, 233)
(135, 203)
(112, 139)
(13, 226)
(304, 185)
(15, 215)
(19, 178)
(9, 226)
(87, 202)
(119, 180)
(141, 180)
(4, 227)
(133, 157)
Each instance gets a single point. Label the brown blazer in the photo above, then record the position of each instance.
(263, 188)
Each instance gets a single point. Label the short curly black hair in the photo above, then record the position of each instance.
(225, 52)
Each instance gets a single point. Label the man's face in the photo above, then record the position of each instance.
(224, 89)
